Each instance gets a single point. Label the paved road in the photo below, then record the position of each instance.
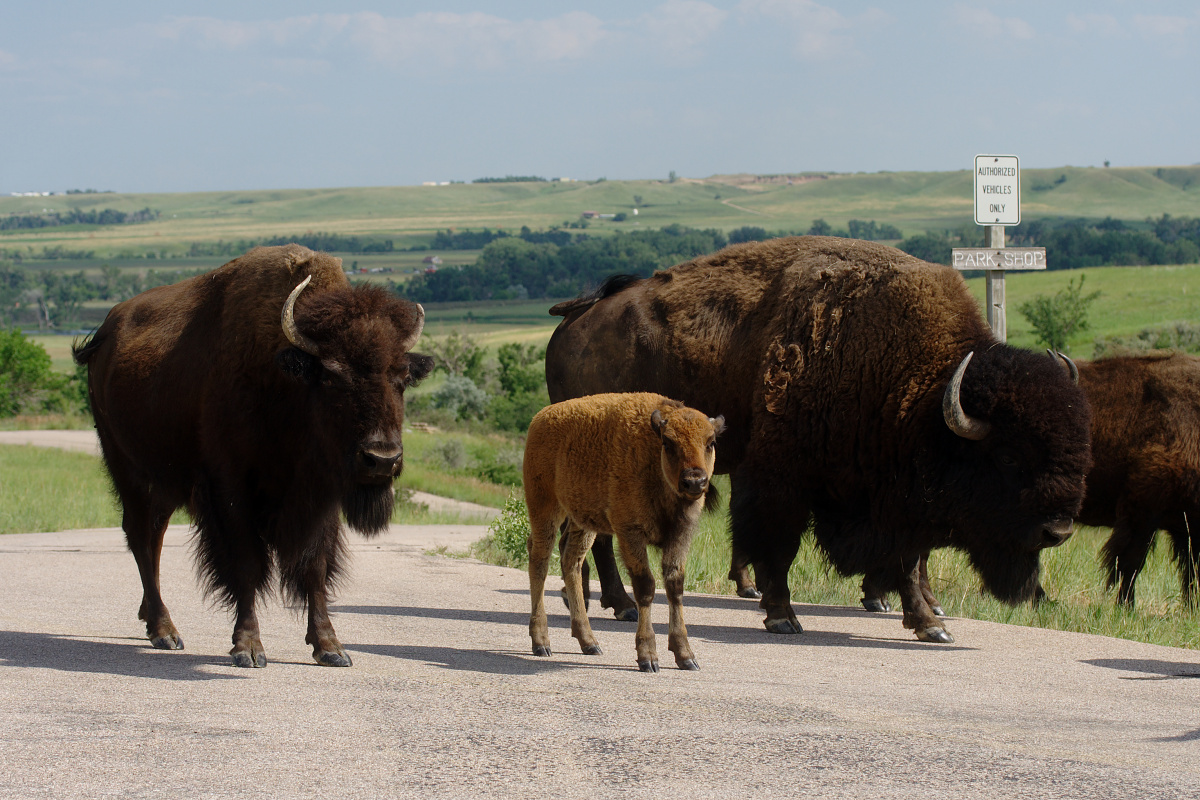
(445, 700)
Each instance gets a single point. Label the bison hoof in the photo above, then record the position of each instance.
(783, 626)
(936, 635)
(689, 664)
(172, 641)
(875, 606)
(332, 659)
(541, 650)
(937, 610)
(749, 592)
(246, 660)
(591, 649)
(648, 666)
(626, 615)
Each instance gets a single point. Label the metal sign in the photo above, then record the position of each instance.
(997, 190)
(1005, 258)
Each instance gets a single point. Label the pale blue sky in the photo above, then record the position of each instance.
(174, 96)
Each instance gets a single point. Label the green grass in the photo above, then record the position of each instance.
(44, 489)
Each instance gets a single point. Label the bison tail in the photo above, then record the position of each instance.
(82, 349)
(712, 498)
(612, 285)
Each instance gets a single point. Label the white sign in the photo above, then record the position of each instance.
(1005, 258)
(997, 190)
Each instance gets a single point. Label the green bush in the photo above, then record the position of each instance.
(506, 542)
(1057, 319)
(25, 375)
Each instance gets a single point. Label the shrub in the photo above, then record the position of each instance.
(25, 376)
(506, 542)
(1056, 319)
(461, 397)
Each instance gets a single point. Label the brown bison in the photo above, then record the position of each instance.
(268, 409)
(863, 391)
(632, 466)
(1146, 476)
(1146, 444)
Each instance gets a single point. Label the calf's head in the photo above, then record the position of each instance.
(352, 350)
(689, 448)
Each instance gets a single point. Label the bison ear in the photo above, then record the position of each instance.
(419, 366)
(298, 364)
(718, 424)
(656, 422)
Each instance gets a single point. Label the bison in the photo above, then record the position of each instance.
(632, 466)
(1146, 444)
(862, 390)
(267, 398)
(1146, 476)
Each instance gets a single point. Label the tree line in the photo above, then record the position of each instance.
(1076, 243)
(76, 216)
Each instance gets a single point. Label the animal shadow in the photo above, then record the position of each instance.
(131, 657)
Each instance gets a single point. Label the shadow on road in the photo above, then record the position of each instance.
(715, 633)
(490, 661)
(1155, 670)
(134, 658)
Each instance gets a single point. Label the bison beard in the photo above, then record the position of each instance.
(368, 507)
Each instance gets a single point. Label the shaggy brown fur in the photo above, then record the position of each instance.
(201, 401)
(830, 358)
(1146, 444)
(633, 466)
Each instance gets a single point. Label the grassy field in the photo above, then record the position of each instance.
(913, 201)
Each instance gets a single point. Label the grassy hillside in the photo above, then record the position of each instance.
(913, 201)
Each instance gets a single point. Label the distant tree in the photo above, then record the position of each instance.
(65, 295)
(1056, 319)
(671, 177)
(14, 282)
(748, 233)
(820, 228)
(24, 372)
(456, 355)
(933, 247)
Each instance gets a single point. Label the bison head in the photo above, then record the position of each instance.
(1014, 456)
(351, 349)
(689, 448)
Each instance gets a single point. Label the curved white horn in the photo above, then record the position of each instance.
(412, 339)
(957, 419)
(290, 330)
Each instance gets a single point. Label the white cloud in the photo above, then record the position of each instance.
(446, 38)
(821, 32)
(679, 26)
(1165, 26)
(1103, 24)
(7, 59)
(980, 20)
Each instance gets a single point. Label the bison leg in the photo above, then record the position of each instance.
(247, 650)
(918, 616)
(1125, 553)
(612, 589)
(875, 593)
(674, 562)
(572, 562)
(1185, 543)
(144, 531)
(767, 530)
(633, 551)
(739, 573)
(927, 590)
(312, 583)
(542, 527)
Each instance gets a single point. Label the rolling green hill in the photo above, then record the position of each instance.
(912, 201)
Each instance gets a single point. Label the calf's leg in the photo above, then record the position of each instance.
(572, 562)
(674, 562)
(633, 551)
(542, 527)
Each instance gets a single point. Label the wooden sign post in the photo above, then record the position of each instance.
(997, 204)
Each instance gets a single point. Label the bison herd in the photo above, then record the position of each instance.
(847, 388)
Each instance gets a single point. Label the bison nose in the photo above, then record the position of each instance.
(1056, 532)
(379, 461)
(693, 481)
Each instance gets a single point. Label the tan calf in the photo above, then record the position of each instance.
(635, 466)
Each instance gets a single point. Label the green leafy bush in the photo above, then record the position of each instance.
(1057, 319)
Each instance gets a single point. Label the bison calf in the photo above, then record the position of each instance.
(636, 467)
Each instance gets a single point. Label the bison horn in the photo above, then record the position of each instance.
(290, 330)
(1072, 370)
(411, 341)
(957, 419)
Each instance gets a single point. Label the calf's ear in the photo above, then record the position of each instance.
(718, 424)
(419, 366)
(297, 364)
(656, 422)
